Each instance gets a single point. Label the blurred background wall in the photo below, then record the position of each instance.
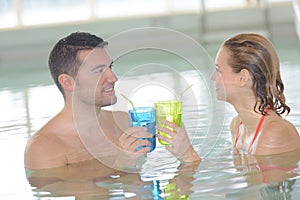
(29, 28)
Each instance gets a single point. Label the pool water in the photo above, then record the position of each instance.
(221, 175)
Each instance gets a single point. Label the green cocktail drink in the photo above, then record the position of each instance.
(170, 110)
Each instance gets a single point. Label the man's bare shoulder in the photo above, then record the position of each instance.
(117, 116)
(117, 112)
(45, 150)
(121, 115)
(118, 119)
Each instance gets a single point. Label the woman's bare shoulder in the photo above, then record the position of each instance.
(280, 127)
(278, 136)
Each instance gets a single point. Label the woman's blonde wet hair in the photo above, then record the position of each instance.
(257, 54)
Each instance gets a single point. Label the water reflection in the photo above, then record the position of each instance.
(76, 180)
(269, 177)
(93, 180)
(268, 169)
(244, 177)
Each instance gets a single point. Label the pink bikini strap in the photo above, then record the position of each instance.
(237, 134)
(256, 131)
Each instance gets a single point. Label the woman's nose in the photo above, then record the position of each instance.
(213, 76)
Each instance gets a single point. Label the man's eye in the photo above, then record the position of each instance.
(99, 70)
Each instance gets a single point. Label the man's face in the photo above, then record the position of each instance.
(95, 80)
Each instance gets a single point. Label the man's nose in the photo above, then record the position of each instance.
(111, 75)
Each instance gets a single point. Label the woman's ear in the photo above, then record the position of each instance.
(245, 77)
(67, 82)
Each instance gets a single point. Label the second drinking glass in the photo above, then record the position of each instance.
(170, 110)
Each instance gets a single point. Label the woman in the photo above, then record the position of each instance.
(247, 76)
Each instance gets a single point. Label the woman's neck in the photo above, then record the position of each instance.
(248, 116)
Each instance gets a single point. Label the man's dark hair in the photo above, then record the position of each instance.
(63, 57)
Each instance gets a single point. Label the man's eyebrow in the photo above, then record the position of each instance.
(102, 66)
(112, 62)
(98, 66)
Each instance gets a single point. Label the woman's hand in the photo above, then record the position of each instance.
(179, 142)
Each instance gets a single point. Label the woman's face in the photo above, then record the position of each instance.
(226, 81)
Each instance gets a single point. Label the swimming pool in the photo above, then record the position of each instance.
(221, 174)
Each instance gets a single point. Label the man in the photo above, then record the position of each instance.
(82, 71)
(82, 130)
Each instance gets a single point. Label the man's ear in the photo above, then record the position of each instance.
(67, 82)
(245, 77)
